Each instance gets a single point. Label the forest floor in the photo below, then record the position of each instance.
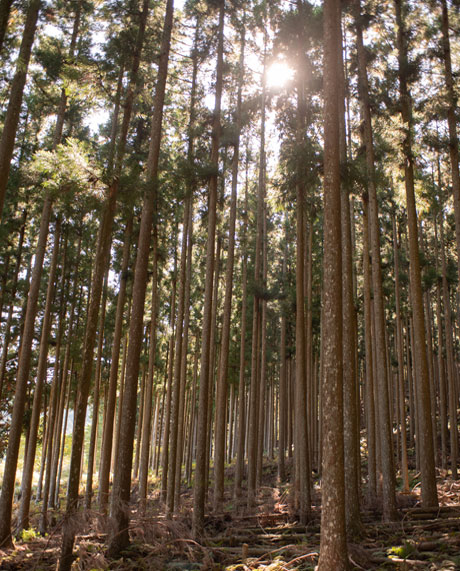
(267, 538)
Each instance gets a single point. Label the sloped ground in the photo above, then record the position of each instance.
(269, 538)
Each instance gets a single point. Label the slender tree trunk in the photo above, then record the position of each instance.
(22, 377)
(386, 452)
(102, 253)
(452, 107)
(146, 432)
(5, 8)
(119, 511)
(199, 491)
(219, 457)
(9, 319)
(96, 394)
(11, 122)
(174, 430)
(400, 356)
(27, 473)
(257, 305)
(107, 441)
(241, 435)
(451, 382)
(425, 437)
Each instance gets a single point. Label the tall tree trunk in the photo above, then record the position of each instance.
(400, 356)
(386, 452)
(107, 440)
(9, 319)
(27, 473)
(145, 449)
(241, 436)
(219, 456)
(350, 411)
(174, 430)
(333, 549)
(119, 510)
(102, 253)
(5, 8)
(257, 307)
(22, 377)
(199, 490)
(96, 393)
(452, 122)
(451, 382)
(11, 122)
(425, 437)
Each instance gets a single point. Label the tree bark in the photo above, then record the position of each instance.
(425, 436)
(333, 548)
(199, 490)
(119, 510)
(11, 122)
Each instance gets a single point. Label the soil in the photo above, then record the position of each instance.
(268, 537)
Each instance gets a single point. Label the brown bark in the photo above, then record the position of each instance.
(333, 548)
(221, 399)
(11, 122)
(425, 437)
(22, 377)
(107, 440)
(100, 265)
(5, 8)
(241, 436)
(27, 473)
(119, 533)
(199, 490)
(386, 452)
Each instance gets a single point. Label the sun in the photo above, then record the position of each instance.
(279, 74)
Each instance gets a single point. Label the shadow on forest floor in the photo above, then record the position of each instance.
(267, 538)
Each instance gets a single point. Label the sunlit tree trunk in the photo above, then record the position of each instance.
(11, 120)
(27, 473)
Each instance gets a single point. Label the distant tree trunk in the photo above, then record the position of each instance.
(146, 432)
(369, 369)
(451, 382)
(107, 440)
(219, 455)
(14, 286)
(400, 356)
(22, 377)
(27, 473)
(199, 490)
(441, 369)
(177, 365)
(170, 369)
(424, 437)
(333, 549)
(386, 452)
(452, 122)
(10, 124)
(257, 306)
(183, 382)
(5, 8)
(241, 436)
(119, 510)
(96, 398)
(283, 371)
(301, 430)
